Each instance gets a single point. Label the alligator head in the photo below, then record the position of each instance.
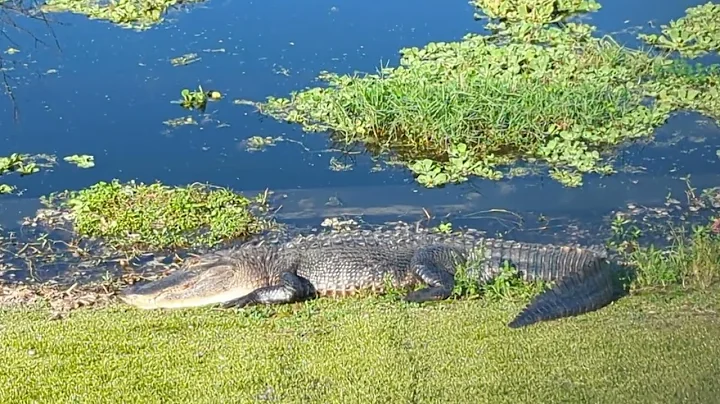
(206, 280)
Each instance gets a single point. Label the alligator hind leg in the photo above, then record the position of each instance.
(292, 289)
(429, 265)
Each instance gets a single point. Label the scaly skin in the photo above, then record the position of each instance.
(344, 263)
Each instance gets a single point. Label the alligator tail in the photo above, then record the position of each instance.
(589, 289)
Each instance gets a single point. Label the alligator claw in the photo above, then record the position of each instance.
(428, 294)
(237, 303)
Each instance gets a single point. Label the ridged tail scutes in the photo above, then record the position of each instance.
(583, 291)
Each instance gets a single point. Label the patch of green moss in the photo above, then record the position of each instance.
(643, 349)
(533, 90)
(157, 216)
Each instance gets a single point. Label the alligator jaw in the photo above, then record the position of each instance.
(182, 289)
(150, 301)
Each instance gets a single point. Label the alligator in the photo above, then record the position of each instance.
(343, 263)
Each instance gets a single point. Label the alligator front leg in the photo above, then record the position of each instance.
(291, 289)
(429, 264)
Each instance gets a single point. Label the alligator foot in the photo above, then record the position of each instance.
(428, 294)
(440, 281)
(292, 289)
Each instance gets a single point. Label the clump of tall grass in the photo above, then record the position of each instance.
(692, 260)
(558, 104)
(492, 98)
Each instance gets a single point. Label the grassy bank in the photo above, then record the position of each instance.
(645, 349)
(661, 344)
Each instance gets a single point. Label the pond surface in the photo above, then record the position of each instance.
(106, 91)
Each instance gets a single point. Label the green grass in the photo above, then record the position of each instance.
(647, 347)
(644, 349)
(691, 260)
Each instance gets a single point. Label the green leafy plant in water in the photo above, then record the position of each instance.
(534, 11)
(501, 101)
(136, 14)
(460, 164)
(194, 99)
(19, 163)
(157, 216)
(696, 34)
(10, 163)
(680, 85)
(23, 164)
(567, 177)
(537, 91)
(429, 173)
(82, 161)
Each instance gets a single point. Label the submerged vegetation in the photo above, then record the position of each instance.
(157, 216)
(534, 90)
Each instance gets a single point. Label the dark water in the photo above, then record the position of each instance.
(113, 88)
